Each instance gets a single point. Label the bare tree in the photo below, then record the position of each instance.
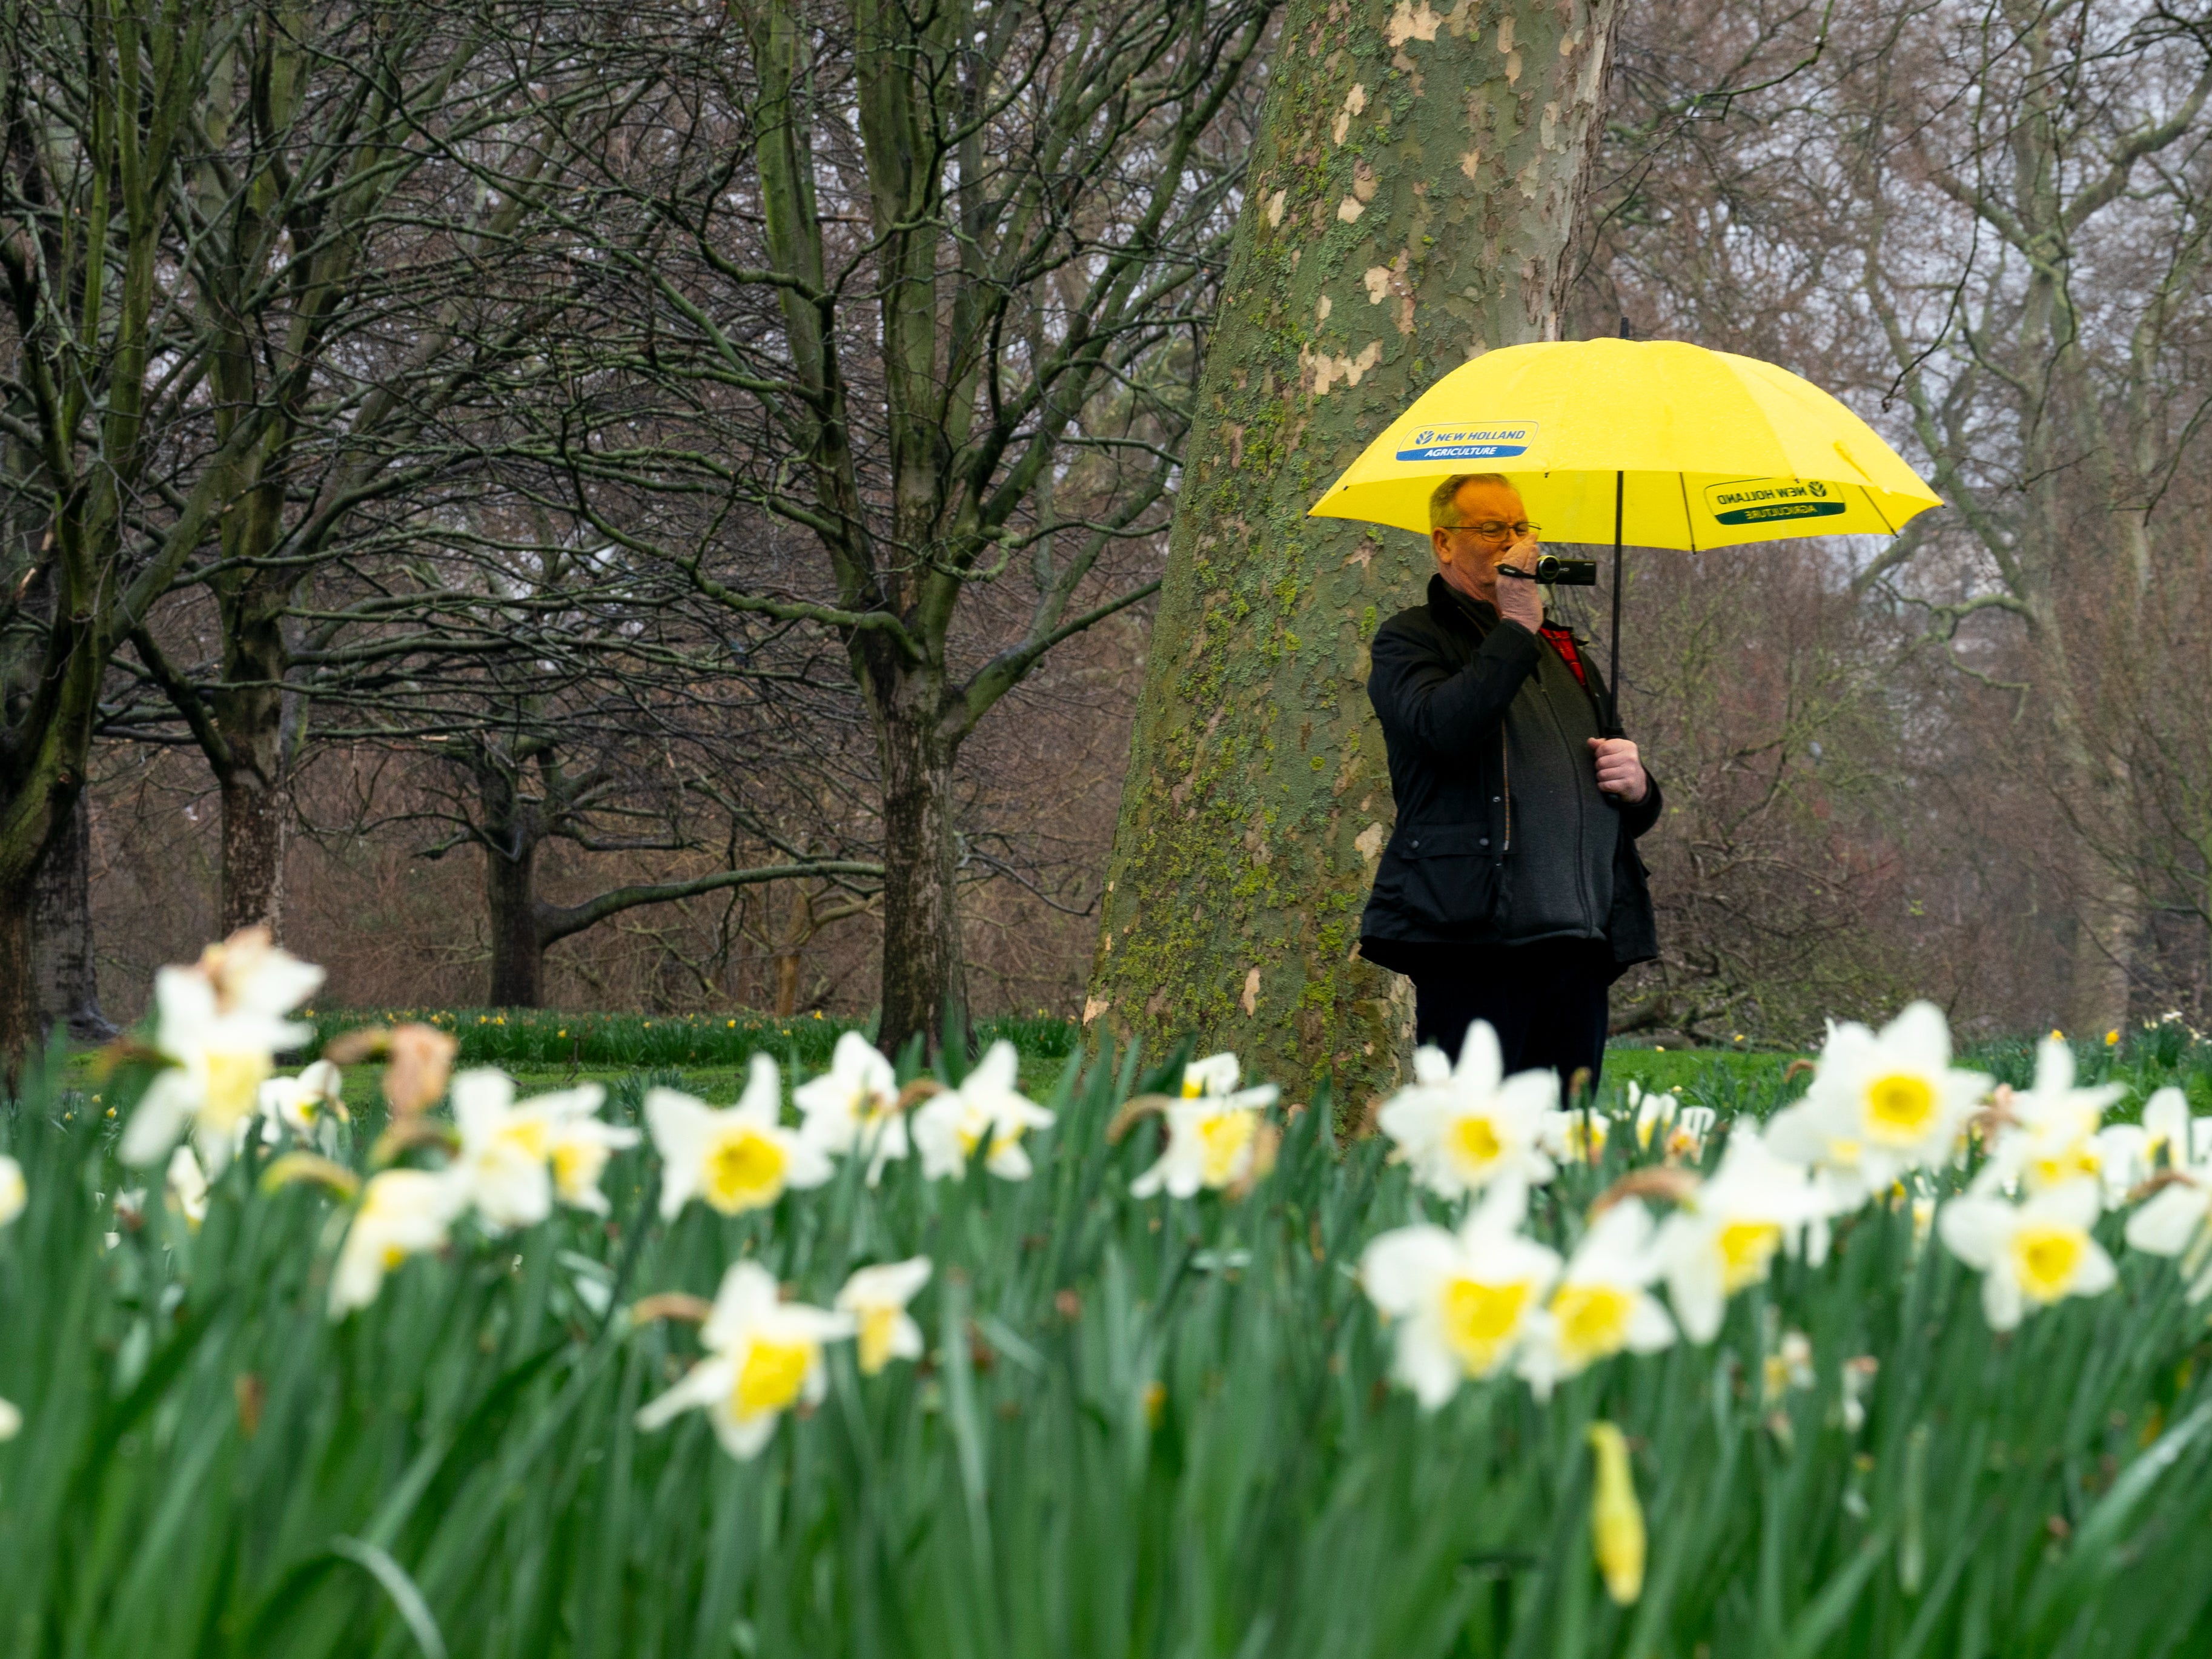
(98, 104)
(1985, 226)
(937, 282)
(562, 699)
(238, 279)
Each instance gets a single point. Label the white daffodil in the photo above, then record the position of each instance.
(854, 1106)
(1218, 1076)
(1601, 1304)
(736, 1159)
(1213, 1131)
(14, 1192)
(402, 1212)
(1574, 1136)
(1678, 1132)
(250, 975)
(578, 1147)
(219, 1024)
(875, 1299)
(764, 1357)
(2169, 1130)
(1649, 1111)
(1725, 1236)
(1858, 1380)
(11, 1419)
(1687, 1134)
(2176, 1220)
(311, 1105)
(1788, 1365)
(2029, 1253)
(1879, 1103)
(985, 1109)
(1462, 1302)
(187, 1186)
(2055, 1136)
(509, 1152)
(1461, 1128)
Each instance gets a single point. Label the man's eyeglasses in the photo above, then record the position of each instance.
(1497, 530)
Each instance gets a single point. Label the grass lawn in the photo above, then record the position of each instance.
(706, 1055)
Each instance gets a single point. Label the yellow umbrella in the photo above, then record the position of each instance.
(1657, 442)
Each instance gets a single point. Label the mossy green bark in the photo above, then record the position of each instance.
(1412, 201)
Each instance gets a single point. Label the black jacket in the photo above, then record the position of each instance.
(1502, 835)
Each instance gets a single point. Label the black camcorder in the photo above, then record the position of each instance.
(1558, 572)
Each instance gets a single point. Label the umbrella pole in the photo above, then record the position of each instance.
(1613, 680)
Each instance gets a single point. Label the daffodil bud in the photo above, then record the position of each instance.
(1616, 1518)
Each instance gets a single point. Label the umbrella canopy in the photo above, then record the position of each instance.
(1657, 442)
(1700, 448)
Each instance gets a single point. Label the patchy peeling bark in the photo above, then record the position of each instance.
(1410, 206)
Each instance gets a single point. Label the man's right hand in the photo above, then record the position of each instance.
(1519, 600)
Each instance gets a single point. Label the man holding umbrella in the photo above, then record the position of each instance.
(1511, 891)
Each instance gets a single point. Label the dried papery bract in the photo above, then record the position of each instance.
(421, 1060)
(679, 1305)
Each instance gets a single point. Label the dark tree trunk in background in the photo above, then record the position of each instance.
(21, 1028)
(252, 765)
(1410, 204)
(518, 944)
(61, 931)
(925, 974)
(254, 813)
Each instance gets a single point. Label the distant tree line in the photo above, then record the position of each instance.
(671, 427)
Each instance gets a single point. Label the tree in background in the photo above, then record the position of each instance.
(551, 693)
(1988, 229)
(107, 499)
(1412, 204)
(2061, 160)
(338, 249)
(244, 288)
(936, 284)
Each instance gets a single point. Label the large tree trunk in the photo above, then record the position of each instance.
(1411, 197)
(2108, 920)
(798, 930)
(925, 984)
(2074, 647)
(254, 817)
(249, 712)
(21, 1028)
(61, 931)
(518, 944)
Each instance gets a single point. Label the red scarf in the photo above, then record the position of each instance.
(1563, 641)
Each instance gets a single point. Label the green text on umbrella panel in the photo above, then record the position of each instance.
(1755, 500)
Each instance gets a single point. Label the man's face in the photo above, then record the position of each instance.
(1489, 520)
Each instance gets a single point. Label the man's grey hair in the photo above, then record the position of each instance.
(1444, 500)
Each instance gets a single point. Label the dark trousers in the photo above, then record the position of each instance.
(1547, 1002)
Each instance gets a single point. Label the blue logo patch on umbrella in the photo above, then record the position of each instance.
(1492, 441)
(1761, 500)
